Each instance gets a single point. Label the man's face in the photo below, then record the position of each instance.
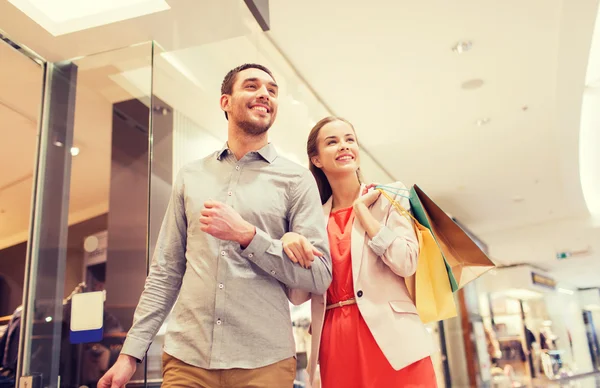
(252, 104)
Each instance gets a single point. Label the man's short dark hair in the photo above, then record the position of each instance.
(230, 78)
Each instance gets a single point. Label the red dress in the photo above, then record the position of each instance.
(349, 357)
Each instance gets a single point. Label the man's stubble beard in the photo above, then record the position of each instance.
(253, 129)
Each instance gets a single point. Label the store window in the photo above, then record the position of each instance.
(21, 80)
(90, 218)
(535, 327)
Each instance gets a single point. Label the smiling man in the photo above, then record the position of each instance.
(219, 259)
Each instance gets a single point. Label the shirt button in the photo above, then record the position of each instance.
(251, 255)
(237, 168)
(272, 272)
(221, 285)
(219, 322)
(359, 293)
(222, 253)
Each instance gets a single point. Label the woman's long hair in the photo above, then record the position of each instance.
(312, 149)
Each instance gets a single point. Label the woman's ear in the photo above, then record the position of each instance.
(315, 160)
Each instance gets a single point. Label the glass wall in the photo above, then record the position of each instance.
(90, 217)
(21, 80)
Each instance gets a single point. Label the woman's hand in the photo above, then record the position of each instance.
(361, 209)
(368, 196)
(299, 249)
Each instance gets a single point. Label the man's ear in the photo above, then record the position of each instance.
(225, 102)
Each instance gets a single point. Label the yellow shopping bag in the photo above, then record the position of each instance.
(430, 286)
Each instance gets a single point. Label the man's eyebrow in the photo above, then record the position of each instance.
(254, 79)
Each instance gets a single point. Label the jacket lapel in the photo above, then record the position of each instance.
(357, 245)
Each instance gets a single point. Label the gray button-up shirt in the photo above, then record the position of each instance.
(232, 310)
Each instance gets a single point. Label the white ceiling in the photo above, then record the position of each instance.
(389, 68)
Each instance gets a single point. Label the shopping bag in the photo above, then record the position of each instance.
(465, 261)
(429, 287)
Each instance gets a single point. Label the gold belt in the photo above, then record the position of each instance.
(340, 304)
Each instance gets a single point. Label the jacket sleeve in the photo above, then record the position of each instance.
(396, 243)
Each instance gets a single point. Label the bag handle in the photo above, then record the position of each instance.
(398, 207)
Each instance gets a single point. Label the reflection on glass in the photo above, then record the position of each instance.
(21, 81)
(104, 247)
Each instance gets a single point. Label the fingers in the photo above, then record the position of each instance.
(207, 212)
(297, 249)
(317, 252)
(211, 203)
(290, 254)
(369, 187)
(307, 251)
(105, 381)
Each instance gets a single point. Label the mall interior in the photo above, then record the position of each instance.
(491, 107)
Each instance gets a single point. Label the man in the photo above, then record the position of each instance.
(219, 255)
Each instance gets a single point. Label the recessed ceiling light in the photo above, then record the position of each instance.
(472, 84)
(74, 151)
(462, 46)
(61, 17)
(483, 121)
(566, 291)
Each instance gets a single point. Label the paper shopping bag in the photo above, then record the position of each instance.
(465, 261)
(429, 287)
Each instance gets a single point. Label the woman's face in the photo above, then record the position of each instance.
(338, 149)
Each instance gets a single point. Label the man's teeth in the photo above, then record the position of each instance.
(345, 158)
(260, 108)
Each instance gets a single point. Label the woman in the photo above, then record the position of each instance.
(365, 330)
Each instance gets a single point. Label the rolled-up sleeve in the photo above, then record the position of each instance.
(396, 242)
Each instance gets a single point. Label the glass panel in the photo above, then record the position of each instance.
(21, 81)
(91, 216)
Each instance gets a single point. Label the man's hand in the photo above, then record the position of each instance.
(221, 221)
(120, 373)
(299, 249)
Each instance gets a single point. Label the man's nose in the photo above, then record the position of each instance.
(263, 92)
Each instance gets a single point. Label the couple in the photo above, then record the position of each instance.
(244, 232)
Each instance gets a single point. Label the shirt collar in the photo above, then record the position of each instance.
(268, 152)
